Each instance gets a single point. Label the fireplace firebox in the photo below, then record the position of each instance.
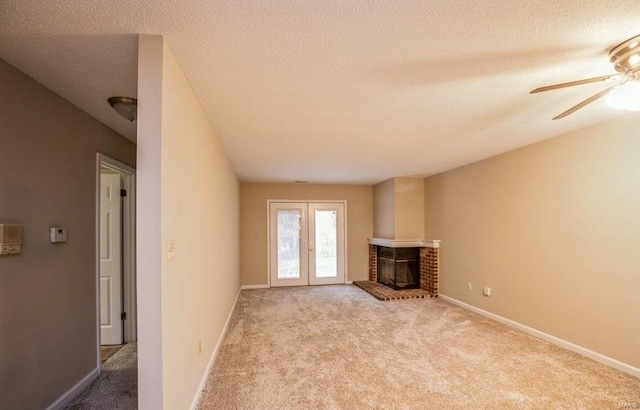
(399, 268)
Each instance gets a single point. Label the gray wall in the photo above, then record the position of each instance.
(47, 294)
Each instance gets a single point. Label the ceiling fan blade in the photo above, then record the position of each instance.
(586, 102)
(572, 83)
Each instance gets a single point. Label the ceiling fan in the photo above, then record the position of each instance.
(625, 58)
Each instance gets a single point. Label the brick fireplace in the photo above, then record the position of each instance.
(428, 255)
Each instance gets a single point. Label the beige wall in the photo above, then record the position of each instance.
(253, 225)
(48, 293)
(384, 199)
(398, 208)
(195, 198)
(409, 208)
(554, 230)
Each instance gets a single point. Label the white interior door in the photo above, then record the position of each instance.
(306, 243)
(110, 260)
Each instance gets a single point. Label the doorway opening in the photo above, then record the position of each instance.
(307, 243)
(115, 251)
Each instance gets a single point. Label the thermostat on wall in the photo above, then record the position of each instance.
(10, 239)
(58, 235)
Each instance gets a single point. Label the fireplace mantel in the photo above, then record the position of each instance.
(405, 243)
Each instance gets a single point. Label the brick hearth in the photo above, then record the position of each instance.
(429, 265)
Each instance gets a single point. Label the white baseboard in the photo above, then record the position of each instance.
(243, 287)
(212, 359)
(634, 371)
(75, 390)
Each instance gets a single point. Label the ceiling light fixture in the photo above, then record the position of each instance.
(625, 97)
(625, 94)
(125, 106)
(626, 60)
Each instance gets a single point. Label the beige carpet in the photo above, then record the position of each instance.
(336, 347)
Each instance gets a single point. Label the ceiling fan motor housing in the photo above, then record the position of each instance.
(625, 58)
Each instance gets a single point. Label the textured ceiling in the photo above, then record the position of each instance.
(337, 91)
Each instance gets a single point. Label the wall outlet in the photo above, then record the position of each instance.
(170, 249)
(486, 291)
(469, 286)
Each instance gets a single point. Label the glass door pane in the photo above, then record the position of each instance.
(326, 242)
(289, 244)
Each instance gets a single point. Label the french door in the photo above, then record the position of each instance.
(306, 243)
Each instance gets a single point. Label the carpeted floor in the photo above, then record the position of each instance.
(116, 388)
(336, 347)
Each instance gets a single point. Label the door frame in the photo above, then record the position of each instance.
(307, 201)
(128, 246)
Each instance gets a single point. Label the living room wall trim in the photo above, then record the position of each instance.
(75, 390)
(634, 371)
(216, 350)
(247, 287)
